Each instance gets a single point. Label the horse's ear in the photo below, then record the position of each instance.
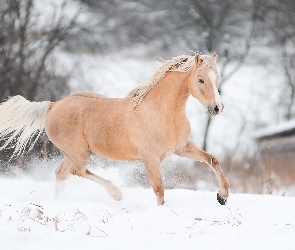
(198, 59)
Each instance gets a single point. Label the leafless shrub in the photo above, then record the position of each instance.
(35, 213)
(261, 174)
(234, 219)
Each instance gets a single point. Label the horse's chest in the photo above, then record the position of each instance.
(170, 148)
(172, 138)
(160, 135)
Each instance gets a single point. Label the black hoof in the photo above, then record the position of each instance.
(221, 200)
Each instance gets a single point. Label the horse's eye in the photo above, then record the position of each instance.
(201, 81)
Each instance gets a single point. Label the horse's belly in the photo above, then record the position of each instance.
(117, 149)
(123, 154)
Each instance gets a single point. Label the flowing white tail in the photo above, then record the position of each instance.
(21, 122)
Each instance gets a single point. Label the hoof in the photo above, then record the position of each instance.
(116, 194)
(117, 197)
(221, 200)
(114, 191)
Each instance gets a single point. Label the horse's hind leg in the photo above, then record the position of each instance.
(78, 167)
(62, 173)
(113, 191)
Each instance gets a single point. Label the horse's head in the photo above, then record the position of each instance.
(204, 83)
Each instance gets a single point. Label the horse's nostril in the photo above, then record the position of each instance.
(216, 109)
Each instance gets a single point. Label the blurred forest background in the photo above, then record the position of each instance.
(45, 48)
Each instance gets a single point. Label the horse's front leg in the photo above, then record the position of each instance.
(190, 150)
(152, 166)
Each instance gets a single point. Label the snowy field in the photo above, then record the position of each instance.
(85, 217)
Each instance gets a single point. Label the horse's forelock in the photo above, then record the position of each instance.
(208, 61)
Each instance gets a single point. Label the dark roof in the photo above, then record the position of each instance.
(277, 138)
(281, 129)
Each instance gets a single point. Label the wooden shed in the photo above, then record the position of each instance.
(277, 138)
(277, 148)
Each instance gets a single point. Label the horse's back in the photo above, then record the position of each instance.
(90, 95)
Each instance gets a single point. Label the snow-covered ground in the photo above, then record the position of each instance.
(85, 217)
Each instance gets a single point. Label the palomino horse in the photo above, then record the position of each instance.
(149, 124)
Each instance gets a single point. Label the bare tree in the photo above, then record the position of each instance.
(28, 40)
(283, 29)
(26, 51)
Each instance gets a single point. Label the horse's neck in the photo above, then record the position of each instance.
(171, 92)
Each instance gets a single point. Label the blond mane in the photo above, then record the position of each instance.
(180, 64)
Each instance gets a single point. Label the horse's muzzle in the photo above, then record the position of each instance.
(215, 109)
